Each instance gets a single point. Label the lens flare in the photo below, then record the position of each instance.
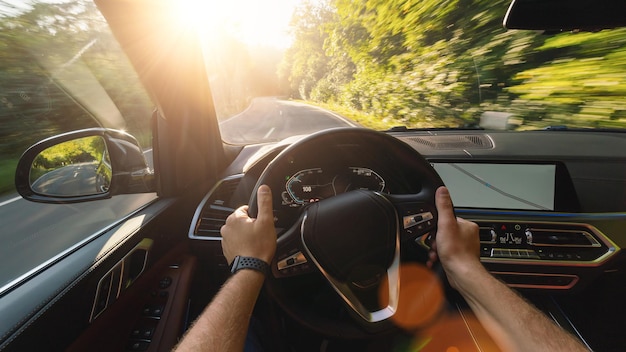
(421, 297)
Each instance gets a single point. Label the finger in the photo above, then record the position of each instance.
(443, 202)
(242, 211)
(264, 203)
(432, 256)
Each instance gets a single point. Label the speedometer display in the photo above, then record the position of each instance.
(306, 186)
(312, 185)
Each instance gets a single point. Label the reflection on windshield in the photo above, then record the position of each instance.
(427, 64)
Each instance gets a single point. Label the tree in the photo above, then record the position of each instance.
(306, 62)
(444, 62)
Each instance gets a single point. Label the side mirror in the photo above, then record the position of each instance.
(84, 165)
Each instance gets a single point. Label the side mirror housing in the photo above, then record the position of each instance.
(83, 165)
(565, 15)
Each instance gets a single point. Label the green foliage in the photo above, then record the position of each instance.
(583, 84)
(74, 151)
(358, 116)
(7, 175)
(306, 62)
(425, 63)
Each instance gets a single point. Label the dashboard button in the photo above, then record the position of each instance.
(485, 252)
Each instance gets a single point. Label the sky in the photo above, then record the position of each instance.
(255, 22)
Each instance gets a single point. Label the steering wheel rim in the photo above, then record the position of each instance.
(332, 249)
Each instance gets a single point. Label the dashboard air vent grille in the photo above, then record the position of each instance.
(447, 142)
(214, 210)
(211, 221)
(224, 191)
(570, 238)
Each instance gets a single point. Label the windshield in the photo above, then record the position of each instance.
(417, 63)
(60, 70)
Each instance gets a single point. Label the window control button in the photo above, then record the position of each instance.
(165, 282)
(147, 333)
(154, 311)
(138, 345)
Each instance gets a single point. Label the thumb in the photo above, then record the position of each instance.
(445, 209)
(264, 204)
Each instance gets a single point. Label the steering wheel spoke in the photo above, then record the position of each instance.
(417, 216)
(290, 259)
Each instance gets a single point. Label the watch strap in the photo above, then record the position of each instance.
(241, 262)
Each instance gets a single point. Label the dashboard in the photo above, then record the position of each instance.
(546, 203)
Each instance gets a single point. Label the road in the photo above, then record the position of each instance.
(75, 179)
(33, 233)
(272, 119)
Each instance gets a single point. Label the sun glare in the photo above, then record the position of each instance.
(254, 22)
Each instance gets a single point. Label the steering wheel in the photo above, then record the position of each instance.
(355, 241)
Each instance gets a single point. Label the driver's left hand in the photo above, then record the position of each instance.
(245, 236)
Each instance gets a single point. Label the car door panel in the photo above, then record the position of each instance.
(51, 309)
(132, 322)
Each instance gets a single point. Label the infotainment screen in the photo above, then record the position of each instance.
(500, 186)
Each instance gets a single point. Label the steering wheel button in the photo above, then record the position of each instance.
(291, 261)
(416, 219)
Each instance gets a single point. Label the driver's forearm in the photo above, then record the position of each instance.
(515, 324)
(224, 323)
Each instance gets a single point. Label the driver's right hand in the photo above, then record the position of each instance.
(457, 242)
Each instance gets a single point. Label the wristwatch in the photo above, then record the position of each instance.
(249, 263)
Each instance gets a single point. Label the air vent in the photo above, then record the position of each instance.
(213, 210)
(211, 221)
(568, 238)
(452, 142)
(224, 191)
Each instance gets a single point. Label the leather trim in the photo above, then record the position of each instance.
(111, 331)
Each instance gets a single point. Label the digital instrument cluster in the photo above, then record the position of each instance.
(315, 184)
